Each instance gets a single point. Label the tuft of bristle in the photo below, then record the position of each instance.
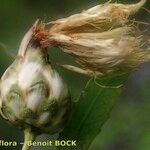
(99, 18)
(101, 39)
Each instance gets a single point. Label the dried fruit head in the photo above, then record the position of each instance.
(102, 39)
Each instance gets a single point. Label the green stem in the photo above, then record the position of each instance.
(29, 136)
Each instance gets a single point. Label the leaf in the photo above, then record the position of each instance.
(91, 111)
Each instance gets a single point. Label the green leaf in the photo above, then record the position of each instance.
(92, 110)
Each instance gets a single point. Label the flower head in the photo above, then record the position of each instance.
(32, 94)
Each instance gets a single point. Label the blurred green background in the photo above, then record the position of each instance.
(129, 125)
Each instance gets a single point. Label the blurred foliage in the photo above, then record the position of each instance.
(92, 110)
(128, 126)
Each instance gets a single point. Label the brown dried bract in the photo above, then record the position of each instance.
(41, 35)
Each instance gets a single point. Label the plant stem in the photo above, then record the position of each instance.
(29, 137)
